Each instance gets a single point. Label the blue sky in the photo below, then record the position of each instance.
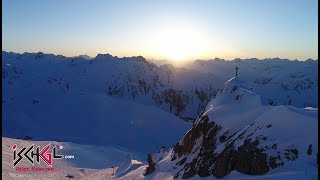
(163, 29)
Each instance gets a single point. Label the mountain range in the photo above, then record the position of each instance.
(199, 120)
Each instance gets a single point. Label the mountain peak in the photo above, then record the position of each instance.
(83, 56)
(103, 56)
(237, 132)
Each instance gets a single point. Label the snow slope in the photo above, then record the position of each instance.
(79, 171)
(99, 120)
(103, 157)
(127, 165)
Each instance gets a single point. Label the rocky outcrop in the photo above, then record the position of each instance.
(151, 165)
(247, 158)
(176, 99)
(309, 152)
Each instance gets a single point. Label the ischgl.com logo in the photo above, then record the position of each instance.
(32, 154)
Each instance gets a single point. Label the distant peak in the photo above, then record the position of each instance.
(103, 56)
(311, 60)
(139, 58)
(83, 56)
(218, 59)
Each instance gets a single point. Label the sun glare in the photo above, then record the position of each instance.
(178, 42)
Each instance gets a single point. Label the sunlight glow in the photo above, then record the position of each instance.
(179, 42)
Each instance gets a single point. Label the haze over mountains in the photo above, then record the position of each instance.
(135, 104)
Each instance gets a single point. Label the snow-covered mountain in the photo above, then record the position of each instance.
(47, 97)
(262, 122)
(244, 132)
(289, 82)
(181, 91)
(84, 56)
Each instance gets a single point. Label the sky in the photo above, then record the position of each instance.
(163, 29)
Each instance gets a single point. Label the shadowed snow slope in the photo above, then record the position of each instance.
(98, 120)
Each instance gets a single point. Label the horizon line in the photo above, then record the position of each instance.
(161, 59)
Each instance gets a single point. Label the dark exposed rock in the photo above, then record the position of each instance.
(270, 102)
(233, 89)
(151, 166)
(274, 146)
(144, 86)
(205, 158)
(251, 159)
(264, 138)
(291, 154)
(182, 161)
(295, 152)
(35, 101)
(240, 136)
(176, 98)
(309, 150)
(222, 138)
(190, 169)
(189, 139)
(115, 91)
(157, 98)
(67, 87)
(176, 176)
(275, 162)
(248, 158)
(202, 95)
(225, 162)
(289, 102)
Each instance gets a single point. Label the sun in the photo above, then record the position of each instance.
(178, 42)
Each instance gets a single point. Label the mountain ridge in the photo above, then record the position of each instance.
(181, 91)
